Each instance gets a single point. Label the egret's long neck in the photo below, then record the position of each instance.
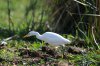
(38, 35)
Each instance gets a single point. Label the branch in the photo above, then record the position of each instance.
(94, 38)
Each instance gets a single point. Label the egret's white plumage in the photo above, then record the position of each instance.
(50, 38)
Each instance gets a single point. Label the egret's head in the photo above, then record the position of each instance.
(31, 33)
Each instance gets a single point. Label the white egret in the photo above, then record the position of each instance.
(51, 38)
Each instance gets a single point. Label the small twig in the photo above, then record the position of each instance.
(94, 15)
(81, 3)
(4, 41)
(59, 19)
(87, 4)
(9, 15)
(9, 38)
(78, 9)
(48, 26)
(94, 38)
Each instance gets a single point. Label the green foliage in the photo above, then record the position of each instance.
(35, 46)
(11, 52)
(7, 55)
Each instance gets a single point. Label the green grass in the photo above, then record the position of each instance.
(12, 53)
(17, 15)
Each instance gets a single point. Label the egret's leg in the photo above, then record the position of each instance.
(60, 50)
(63, 51)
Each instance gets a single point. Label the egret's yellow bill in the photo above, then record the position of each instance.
(25, 36)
